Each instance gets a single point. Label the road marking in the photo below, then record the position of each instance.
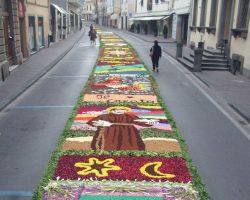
(195, 81)
(16, 193)
(39, 107)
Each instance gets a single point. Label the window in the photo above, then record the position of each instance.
(203, 12)
(195, 12)
(243, 14)
(213, 13)
(5, 6)
(149, 6)
(156, 1)
(141, 2)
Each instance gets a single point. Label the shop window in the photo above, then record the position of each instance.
(243, 14)
(203, 12)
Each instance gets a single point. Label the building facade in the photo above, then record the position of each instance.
(75, 8)
(89, 10)
(150, 16)
(38, 21)
(163, 17)
(128, 9)
(220, 24)
(12, 35)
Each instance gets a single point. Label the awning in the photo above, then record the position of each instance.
(60, 9)
(182, 11)
(166, 17)
(147, 18)
(114, 17)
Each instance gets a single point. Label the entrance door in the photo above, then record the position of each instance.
(8, 38)
(32, 34)
(41, 32)
(184, 28)
(225, 21)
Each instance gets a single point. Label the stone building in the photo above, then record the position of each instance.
(12, 35)
(89, 10)
(127, 12)
(150, 15)
(75, 8)
(38, 21)
(223, 24)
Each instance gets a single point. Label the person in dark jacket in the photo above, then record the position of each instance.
(155, 53)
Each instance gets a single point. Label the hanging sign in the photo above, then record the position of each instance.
(21, 9)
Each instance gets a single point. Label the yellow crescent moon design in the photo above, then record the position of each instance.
(151, 170)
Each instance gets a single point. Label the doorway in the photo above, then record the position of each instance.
(40, 32)
(184, 28)
(8, 39)
(32, 34)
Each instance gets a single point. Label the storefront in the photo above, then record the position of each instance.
(22, 27)
(58, 22)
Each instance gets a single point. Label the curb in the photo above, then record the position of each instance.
(4, 104)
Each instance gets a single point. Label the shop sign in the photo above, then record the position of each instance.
(21, 9)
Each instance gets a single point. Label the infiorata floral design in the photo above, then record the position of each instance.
(167, 190)
(151, 170)
(154, 114)
(137, 69)
(129, 120)
(117, 53)
(120, 84)
(99, 168)
(129, 168)
(112, 62)
(116, 44)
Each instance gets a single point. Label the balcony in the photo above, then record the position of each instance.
(76, 3)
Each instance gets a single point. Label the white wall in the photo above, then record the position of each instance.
(110, 6)
(179, 4)
(161, 6)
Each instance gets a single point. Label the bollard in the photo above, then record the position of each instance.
(198, 53)
(179, 50)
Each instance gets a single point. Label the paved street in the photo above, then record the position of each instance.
(31, 125)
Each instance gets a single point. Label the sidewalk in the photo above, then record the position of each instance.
(235, 90)
(34, 68)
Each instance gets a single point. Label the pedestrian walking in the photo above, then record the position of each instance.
(93, 36)
(155, 53)
(165, 32)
